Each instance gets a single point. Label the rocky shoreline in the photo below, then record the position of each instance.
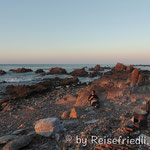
(121, 91)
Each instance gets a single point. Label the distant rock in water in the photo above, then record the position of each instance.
(21, 70)
(79, 72)
(2, 72)
(57, 70)
(96, 68)
(39, 71)
(121, 67)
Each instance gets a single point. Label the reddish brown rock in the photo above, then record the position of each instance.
(21, 70)
(94, 74)
(39, 71)
(73, 114)
(96, 87)
(2, 72)
(106, 84)
(57, 70)
(82, 99)
(117, 94)
(96, 68)
(137, 78)
(69, 81)
(134, 77)
(129, 68)
(83, 94)
(107, 67)
(23, 91)
(20, 91)
(65, 115)
(119, 67)
(79, 72)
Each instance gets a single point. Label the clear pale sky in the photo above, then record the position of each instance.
(75, 31)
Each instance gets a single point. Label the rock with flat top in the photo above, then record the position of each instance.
(48, 126)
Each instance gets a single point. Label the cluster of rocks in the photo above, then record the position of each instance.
(57, 70)
(122, 68)
(24, 91)
(117, 84)
(137, 78)
(79, 72)
(98, 68)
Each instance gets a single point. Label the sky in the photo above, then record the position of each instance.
(74, 31)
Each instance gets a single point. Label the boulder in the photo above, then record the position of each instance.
(18, 143)
(70, 81)
(96, 87)
(39, 71)
(79, 72)
(57, 70)
(48, 126)
(94, 74)
(19, 91)
(96, 68)
(83, 94)
(119, 67)
(137, 78)
(7, 138)
(82, 99)
(21, 70)
(2, 72)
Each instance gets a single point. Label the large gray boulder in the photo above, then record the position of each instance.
(7, 138)
(18, 143)
(49, 126)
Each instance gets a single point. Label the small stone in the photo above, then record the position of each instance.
(133, 100)
(91, 121)
(57, 137)
(65, 115)
(73, 114)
